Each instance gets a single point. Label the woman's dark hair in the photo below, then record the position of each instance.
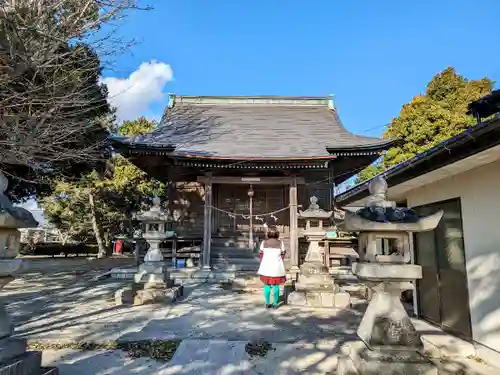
(272, 232)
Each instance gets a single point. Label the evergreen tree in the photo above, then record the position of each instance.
(430, 118)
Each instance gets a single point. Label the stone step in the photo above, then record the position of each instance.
(182, 276)
(234, 254)
(231, 244)
(49, 371)
(28, 363)
(235, 267)
(220, 260)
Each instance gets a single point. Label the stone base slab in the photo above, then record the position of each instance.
(357, 359)
(12, 347)
(386, 324)
(319, 299)
(321, 288)
(134, 295)
(26, 364)
(123, 273)
(149, 296)
(159, 284)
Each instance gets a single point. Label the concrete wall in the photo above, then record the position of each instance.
(479, 191)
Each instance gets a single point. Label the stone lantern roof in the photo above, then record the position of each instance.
(10, 216)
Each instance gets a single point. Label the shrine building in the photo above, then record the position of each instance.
(236, 163)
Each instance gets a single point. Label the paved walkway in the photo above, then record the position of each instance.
(213, 324)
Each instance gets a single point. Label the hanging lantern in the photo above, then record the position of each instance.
(250, 192)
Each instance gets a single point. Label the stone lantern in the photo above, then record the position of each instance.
(389, 342)
(13, 351)
(315, 286)
(152, 282)
(154, 224)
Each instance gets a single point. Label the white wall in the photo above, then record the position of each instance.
(479, 191)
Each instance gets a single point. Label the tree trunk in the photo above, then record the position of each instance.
(95, 227)
(130, 227)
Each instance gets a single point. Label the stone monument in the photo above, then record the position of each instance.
(315, 286)
(389, 342)
(14, 357)
(152, 282)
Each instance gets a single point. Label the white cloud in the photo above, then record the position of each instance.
(30, 204)
(134, 95)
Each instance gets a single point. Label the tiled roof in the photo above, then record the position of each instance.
(261, 127)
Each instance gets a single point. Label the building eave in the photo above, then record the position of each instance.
(127, 144)
(377, 147)
(486, 106)
(472, 141)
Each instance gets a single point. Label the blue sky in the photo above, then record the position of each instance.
(373, 56)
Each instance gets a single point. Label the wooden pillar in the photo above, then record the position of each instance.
(207, 227)
(294, 230)
(171, 192)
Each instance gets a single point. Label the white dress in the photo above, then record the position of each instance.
(271, 264)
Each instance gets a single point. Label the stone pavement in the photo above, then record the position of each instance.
(71, 309)
(214, 324)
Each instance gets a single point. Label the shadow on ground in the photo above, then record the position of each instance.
(63, 308)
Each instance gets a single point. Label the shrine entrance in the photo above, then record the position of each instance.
(233, 202)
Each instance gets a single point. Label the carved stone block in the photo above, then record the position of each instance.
(357, 359)
(386, 325)
(124, 296)
(342, 300)
(328, 299)
(297, 299)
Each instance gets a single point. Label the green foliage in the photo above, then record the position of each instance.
(431, 118)
(115, 195)
(370, 172)
(69, 209)
(136, 127)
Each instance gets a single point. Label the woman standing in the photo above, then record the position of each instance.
(272, 269)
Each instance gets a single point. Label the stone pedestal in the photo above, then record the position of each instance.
(315, 287)
(14, 357)
(152, 283)
(389, 342)
(357, 359)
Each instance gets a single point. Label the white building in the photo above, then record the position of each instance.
(460, 288)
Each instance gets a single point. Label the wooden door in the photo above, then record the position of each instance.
(443, 295)
(234, 199)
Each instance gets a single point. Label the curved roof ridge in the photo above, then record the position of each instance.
(268, 127)
(254, 100)
(365, 141)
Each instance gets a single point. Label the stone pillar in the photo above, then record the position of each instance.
(294, 230)
(14, 357)
(207, 228)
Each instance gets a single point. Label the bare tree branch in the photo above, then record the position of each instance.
(53, 108)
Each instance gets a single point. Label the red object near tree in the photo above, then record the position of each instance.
(119, 246)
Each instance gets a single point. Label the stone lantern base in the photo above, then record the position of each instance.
(357, 359)
(14, 355)
(152, 284)
(389, 343)
(141, 294)
(315, 287)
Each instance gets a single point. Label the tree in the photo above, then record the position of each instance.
(96, 205)
(54, 115)
(431, 118)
